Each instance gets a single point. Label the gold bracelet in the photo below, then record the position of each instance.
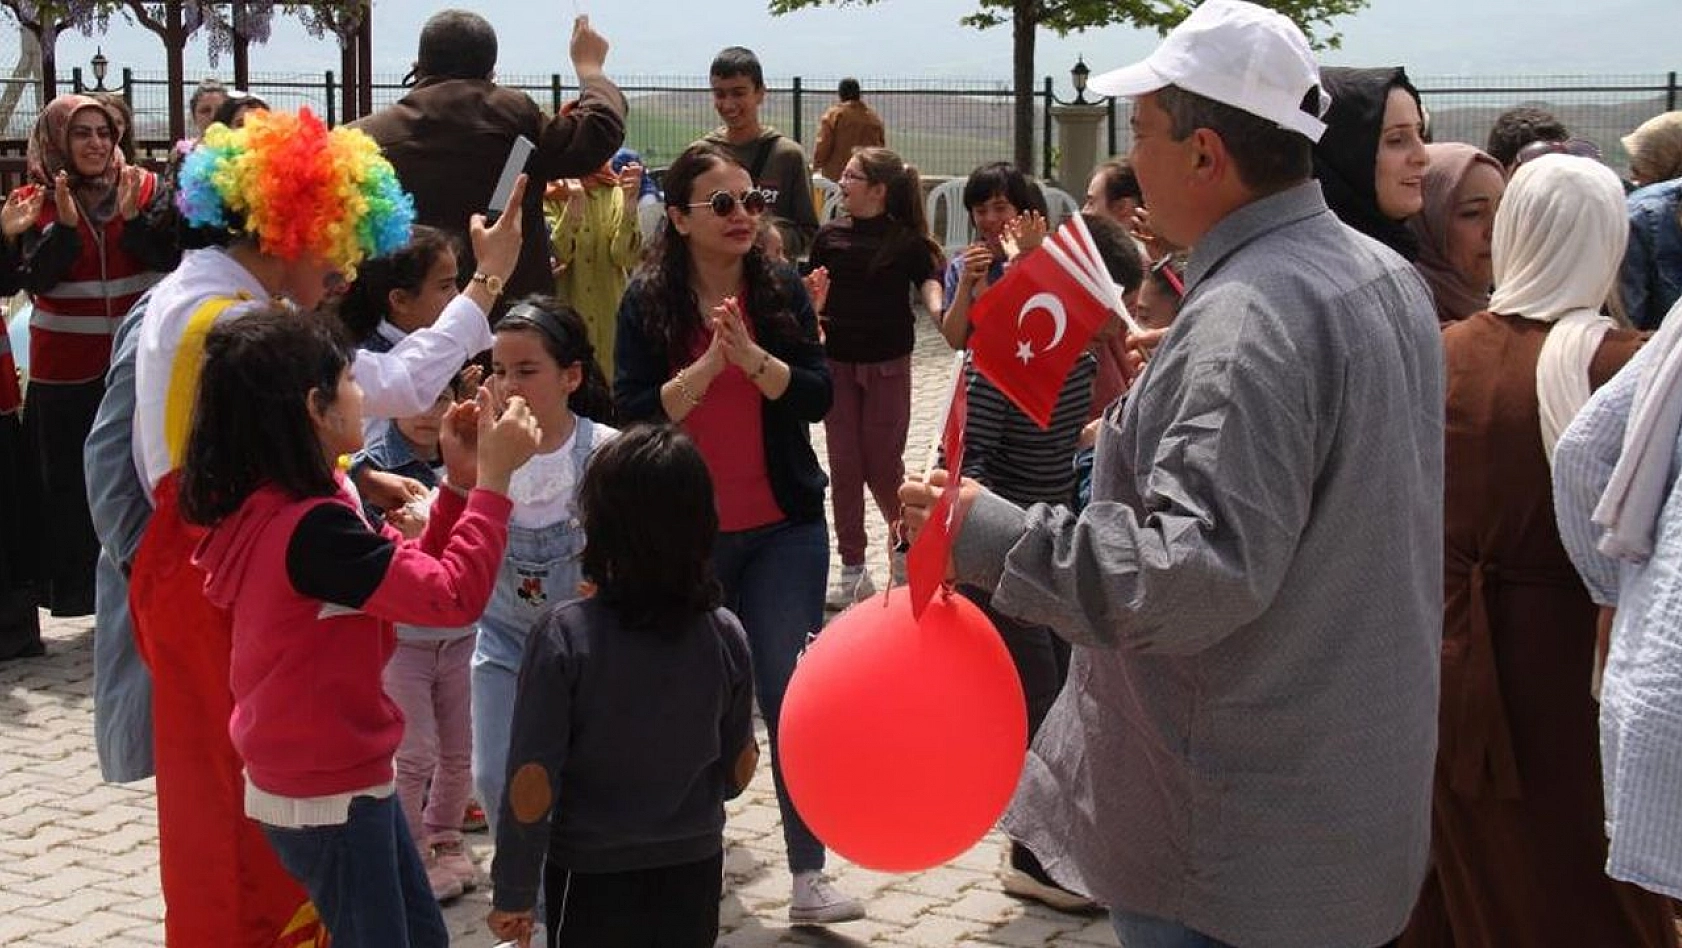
(764, 363)
(683, 391)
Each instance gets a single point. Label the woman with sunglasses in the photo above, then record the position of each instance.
(715, 339)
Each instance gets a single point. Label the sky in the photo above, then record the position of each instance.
(907, 39)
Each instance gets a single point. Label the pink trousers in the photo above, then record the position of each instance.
(429, 681)
(866, 428)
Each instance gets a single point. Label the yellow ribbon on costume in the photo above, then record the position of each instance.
(184, 374)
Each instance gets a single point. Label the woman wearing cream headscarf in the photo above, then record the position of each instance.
(1651, 280)
(1454, 230)
(1518, 840)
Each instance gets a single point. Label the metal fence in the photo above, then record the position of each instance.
(945, 126)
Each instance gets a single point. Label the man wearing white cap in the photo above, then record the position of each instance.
(1243, 753)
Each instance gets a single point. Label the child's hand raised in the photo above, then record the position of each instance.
(458, 438)
(630, 181)
(817, 287)
(1022, 234)
(507, 439)
(978, 259)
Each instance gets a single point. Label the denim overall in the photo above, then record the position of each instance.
(540, 568)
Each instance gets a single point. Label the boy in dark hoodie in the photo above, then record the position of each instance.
(776, 163)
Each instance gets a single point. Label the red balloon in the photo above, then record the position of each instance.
(902, 740)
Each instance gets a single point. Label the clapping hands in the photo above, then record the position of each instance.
(1022, 234)
(21, 211)
(128, 191)
(630, 182)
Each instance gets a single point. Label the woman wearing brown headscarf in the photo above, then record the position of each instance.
(85, 261)
(1462, 190)
(1651, 279)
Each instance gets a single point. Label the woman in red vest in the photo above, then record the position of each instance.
(89, 256)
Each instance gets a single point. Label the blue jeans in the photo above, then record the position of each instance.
(365, 877)
(540, 568)
(1148, 931)
(773, 579)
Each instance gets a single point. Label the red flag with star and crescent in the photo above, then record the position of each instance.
(1031, 326)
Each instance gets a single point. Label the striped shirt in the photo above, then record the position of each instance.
(1641, 691)
(1014, 457)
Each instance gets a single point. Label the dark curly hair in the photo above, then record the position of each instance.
(650, 523)
(669, 308)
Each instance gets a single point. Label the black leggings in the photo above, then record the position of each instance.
(666, 907)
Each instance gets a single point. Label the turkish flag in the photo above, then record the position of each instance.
(1030, 327)
(925, 563)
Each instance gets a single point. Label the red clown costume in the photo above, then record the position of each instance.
(289, 189)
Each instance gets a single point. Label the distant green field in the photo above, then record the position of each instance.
(941, 135)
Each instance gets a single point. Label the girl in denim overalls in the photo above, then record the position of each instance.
(542, 353)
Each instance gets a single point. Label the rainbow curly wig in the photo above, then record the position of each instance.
(298, 188)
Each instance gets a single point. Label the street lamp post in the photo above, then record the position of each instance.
(1077, 125)
(1077, 77)
(100, 66)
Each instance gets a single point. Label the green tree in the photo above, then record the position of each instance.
(233, 26)
(1026, 17)
(46, 19)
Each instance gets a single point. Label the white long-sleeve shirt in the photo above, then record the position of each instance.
(404, 381)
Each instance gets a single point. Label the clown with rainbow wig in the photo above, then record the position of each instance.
(291, 207)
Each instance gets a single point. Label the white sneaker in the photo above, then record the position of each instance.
(818, 902)
(854, 585)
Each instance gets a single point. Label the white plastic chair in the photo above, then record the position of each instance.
(649, 215)
(950, 196)
(1058, 204)
(829, 207)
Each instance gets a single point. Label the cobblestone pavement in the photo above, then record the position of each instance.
(78, 858)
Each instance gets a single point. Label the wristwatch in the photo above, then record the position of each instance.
(493, 283)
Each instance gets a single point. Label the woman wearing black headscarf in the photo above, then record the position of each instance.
(1371, 161)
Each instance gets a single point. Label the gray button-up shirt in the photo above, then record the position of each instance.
(1247, 745)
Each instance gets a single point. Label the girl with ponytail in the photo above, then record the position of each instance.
(876, 256)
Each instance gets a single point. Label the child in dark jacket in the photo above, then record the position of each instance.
(314, 592)
(629, 846)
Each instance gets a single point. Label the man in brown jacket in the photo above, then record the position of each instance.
(846, 126)
(450, 136)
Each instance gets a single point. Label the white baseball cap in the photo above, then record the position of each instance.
(1236, 53)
